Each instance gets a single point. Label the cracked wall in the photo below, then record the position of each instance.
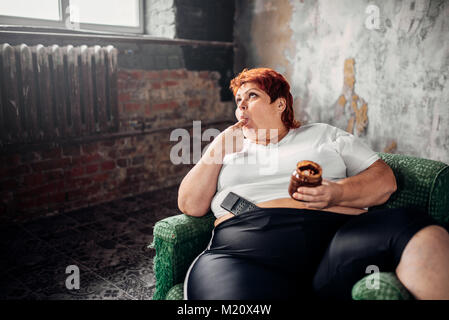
(387, 83)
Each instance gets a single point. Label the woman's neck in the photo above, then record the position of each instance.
(267, 136)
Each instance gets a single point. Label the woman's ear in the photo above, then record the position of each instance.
(281, 104)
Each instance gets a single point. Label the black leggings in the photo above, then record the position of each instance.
(285, 253)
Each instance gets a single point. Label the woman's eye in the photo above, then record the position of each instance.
(252, 94)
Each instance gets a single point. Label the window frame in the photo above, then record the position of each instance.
(65, 20)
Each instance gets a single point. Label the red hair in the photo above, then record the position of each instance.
(272, 83)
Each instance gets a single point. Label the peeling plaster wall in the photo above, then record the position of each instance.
(388, 84)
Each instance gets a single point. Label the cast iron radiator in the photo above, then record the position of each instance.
(53, 92)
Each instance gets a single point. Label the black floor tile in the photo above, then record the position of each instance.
(108, 243)
(50, 225)
(26, 252)
(47, 273)
(92, 214)
(13, 289)
(91, 287)
(118, 224)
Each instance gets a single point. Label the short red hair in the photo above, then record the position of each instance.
(274, 84)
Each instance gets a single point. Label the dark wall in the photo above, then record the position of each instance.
(205, 19)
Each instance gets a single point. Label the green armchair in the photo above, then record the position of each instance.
(421, 182)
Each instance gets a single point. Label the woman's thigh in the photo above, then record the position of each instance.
(268, 254)
(217, 276)
(376, 238)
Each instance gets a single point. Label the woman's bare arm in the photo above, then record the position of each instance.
(199, 185)
(371, 187)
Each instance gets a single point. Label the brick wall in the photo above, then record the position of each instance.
(162, 86)
(167, 98)
(62, 176)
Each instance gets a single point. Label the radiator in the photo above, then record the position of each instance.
(56, 92)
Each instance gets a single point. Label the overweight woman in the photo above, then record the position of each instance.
(317, 242)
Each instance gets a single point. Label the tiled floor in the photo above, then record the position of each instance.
(108, 243)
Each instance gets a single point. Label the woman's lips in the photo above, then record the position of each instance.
(245, 120)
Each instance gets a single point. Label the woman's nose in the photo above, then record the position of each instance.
(243, 105)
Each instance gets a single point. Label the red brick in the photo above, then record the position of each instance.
(71, 150)
(51, 153)
(170, 83)
(78, 182)
(167, 105)
(127, 151)
(152, 75)
(75, 194)
(100, 177)
(92, 168)
(112, 154)
(136, 74)
(51, 164)
(165, 73)
(108, 165)
(108, 143)
(86, 159)
(156, 85)
(92, 158)
(57, 197)
(54, 175)
(122, 163)
(93, 189)
(132, 107)
(26, 204)
(90, 148)
(9, 185)
(194, 103)
(204, 74)
(124, 97)
(33, 179)
(178, 74)
(123, 75)
(138, 160)
(135, 171)
(29, 157)
(77, 171)
(17, 171)
(48, 188)
(12, 160)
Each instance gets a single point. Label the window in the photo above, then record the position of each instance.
(103, 15)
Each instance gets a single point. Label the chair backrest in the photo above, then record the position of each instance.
(422, 183)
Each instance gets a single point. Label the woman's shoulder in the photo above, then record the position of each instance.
(317, 132)
(316, 126)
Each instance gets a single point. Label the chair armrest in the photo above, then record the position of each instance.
(380, 286)
(177, 241)
(421, 183)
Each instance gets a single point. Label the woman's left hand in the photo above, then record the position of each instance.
(328, 194)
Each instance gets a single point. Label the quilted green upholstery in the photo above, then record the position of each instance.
(178, 240)
(176, 292)
(421, 183)
(390, 288)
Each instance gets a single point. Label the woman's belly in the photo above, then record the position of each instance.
(291, 203)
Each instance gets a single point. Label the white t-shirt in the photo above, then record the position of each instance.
(261, 173)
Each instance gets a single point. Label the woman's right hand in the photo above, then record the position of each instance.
(228, 141)
(199, 185)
